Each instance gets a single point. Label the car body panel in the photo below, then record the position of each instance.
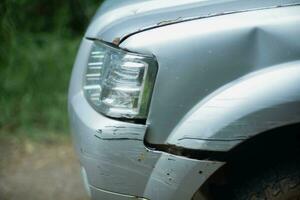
(115, 159)
(242, 109)
(198, 58)
(228, 70)
(117, 20)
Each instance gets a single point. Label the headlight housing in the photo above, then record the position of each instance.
(118, 83)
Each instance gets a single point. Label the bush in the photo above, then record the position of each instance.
(39, 43)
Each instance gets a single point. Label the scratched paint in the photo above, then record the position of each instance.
(145, 15)
(133, 132)
(218, 50)
(239, 78)
(116, 159)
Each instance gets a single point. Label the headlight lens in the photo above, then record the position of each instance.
(118, 83)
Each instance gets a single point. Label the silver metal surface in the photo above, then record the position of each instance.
(242, 109)
(117, 19)
(200, 59)
(228, 70)
(114, 156)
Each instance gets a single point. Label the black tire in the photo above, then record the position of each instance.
(278, 182)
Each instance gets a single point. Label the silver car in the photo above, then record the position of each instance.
(189, 99)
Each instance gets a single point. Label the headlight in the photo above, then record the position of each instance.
(118, 83)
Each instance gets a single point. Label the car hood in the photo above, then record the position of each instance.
(116, 20)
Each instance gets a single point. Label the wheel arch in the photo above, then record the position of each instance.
(257, 103)
(261, 152)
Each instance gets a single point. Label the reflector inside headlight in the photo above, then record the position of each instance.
(119, 83)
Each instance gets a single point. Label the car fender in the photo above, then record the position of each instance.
(248, 106)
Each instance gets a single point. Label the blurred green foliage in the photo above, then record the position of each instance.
(39, 40)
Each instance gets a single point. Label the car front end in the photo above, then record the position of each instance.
(141, 72)
(116, 164)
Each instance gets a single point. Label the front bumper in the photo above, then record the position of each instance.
(115, 161)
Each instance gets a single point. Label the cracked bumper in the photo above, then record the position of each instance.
(116, 163)
(119, 166)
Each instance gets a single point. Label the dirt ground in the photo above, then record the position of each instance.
(39, 171)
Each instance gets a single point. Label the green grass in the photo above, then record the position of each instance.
(34, 82)
(39, 41)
